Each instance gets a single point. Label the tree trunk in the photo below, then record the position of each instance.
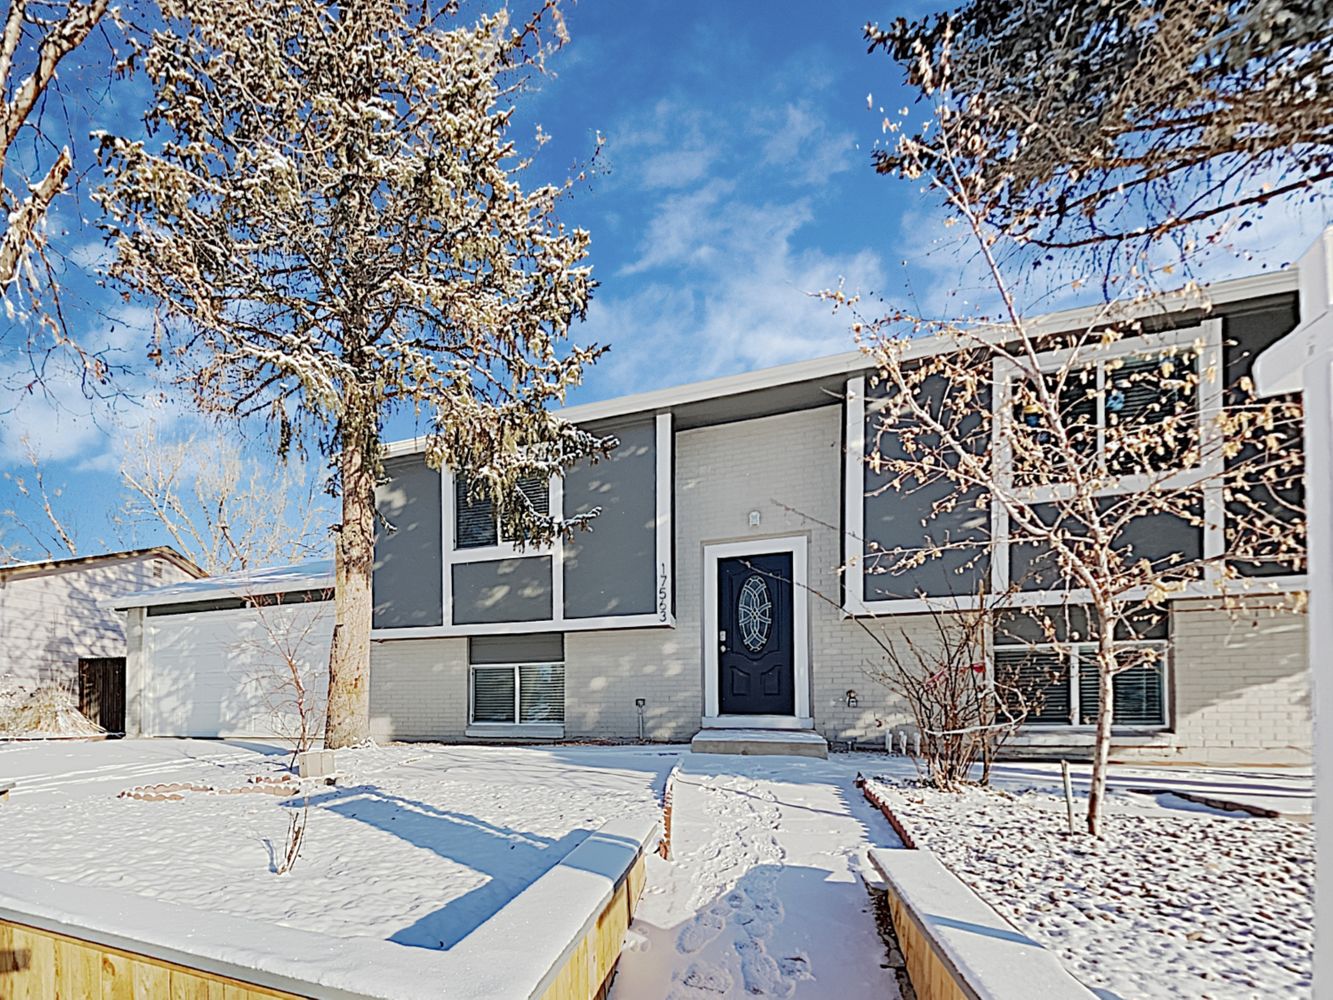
(1101, 750)
(348, 720)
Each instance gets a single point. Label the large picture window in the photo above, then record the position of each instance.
(1055, 674)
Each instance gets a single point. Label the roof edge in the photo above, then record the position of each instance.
(55, 565)
(656, 400)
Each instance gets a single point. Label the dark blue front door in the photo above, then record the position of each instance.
(756, 670)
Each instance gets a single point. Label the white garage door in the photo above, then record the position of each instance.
(243, 672)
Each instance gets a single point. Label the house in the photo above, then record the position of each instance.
(1303, 361)
(54, 626)
(731, 569)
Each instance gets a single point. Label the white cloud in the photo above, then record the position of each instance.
(804, 148)
(731, 291)
(676, 168)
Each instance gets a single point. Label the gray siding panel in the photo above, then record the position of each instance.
(1164, 539)
(502, 590)
(540, 647)
(408, 582)
(611, 568)
(899, 521)
(1245, 335)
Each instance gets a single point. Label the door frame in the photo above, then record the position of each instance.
(797, 546)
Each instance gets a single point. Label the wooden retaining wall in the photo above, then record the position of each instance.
(586, 974)
(40, 965)
(37, 964)
(932, 976)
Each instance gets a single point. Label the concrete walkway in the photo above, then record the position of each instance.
(762, 897)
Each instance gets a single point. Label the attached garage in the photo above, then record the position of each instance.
(236, 656)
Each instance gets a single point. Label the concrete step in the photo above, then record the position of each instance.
(753, 742)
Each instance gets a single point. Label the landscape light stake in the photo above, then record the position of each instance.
(1069, 796)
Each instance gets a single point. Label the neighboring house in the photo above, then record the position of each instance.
(722, 579)
(52, 616)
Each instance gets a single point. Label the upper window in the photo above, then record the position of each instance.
(474, 516)
(1127, 415)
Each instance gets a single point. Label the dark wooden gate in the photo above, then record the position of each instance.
(102, 691)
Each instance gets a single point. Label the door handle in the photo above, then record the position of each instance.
(722, 640)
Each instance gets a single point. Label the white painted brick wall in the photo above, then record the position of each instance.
(1240, 681)
(606, 670)
(418, 689)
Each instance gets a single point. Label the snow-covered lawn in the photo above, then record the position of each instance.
(762, 896)
(1177, 901)
(417, 844)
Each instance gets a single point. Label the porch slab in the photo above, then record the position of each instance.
(755, 742)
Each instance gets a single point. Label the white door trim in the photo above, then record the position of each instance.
(797, 546)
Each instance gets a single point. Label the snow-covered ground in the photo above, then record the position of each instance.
(1178, 900)
(762, 896)
(417, 844)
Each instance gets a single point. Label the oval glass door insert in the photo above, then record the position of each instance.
(754, 613)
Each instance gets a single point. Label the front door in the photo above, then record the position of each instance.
(756, 667)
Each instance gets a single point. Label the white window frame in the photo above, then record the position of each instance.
(1210, 397)
(1071, 651)
(546, 730)
(664, 574)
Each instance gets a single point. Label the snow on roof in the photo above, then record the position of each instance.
(316, 575)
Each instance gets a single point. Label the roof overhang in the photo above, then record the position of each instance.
(80, 562)
(819, 373)
(316, 575)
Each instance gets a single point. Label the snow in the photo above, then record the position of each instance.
(762, 896)
(417, 845)
(314, 575)
(1178, 900)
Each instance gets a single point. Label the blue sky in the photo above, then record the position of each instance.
(735, 181)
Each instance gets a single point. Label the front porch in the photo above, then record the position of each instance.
(757, 742)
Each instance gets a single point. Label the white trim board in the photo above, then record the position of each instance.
(797, 545)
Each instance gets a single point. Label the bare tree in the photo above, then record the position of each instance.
(965, 707)
(1086, 445)
(221, 508)
(1088, 125)
(37, 36)
(37, 515)
(1117, 459)
(336, 231)
(288, 663)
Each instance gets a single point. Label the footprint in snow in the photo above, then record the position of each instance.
(701, 930)
(762, 975)
(702, 981)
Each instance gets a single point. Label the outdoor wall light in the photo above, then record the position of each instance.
(755, 518)
(851, 699)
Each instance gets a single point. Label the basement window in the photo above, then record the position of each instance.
(526, 691)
